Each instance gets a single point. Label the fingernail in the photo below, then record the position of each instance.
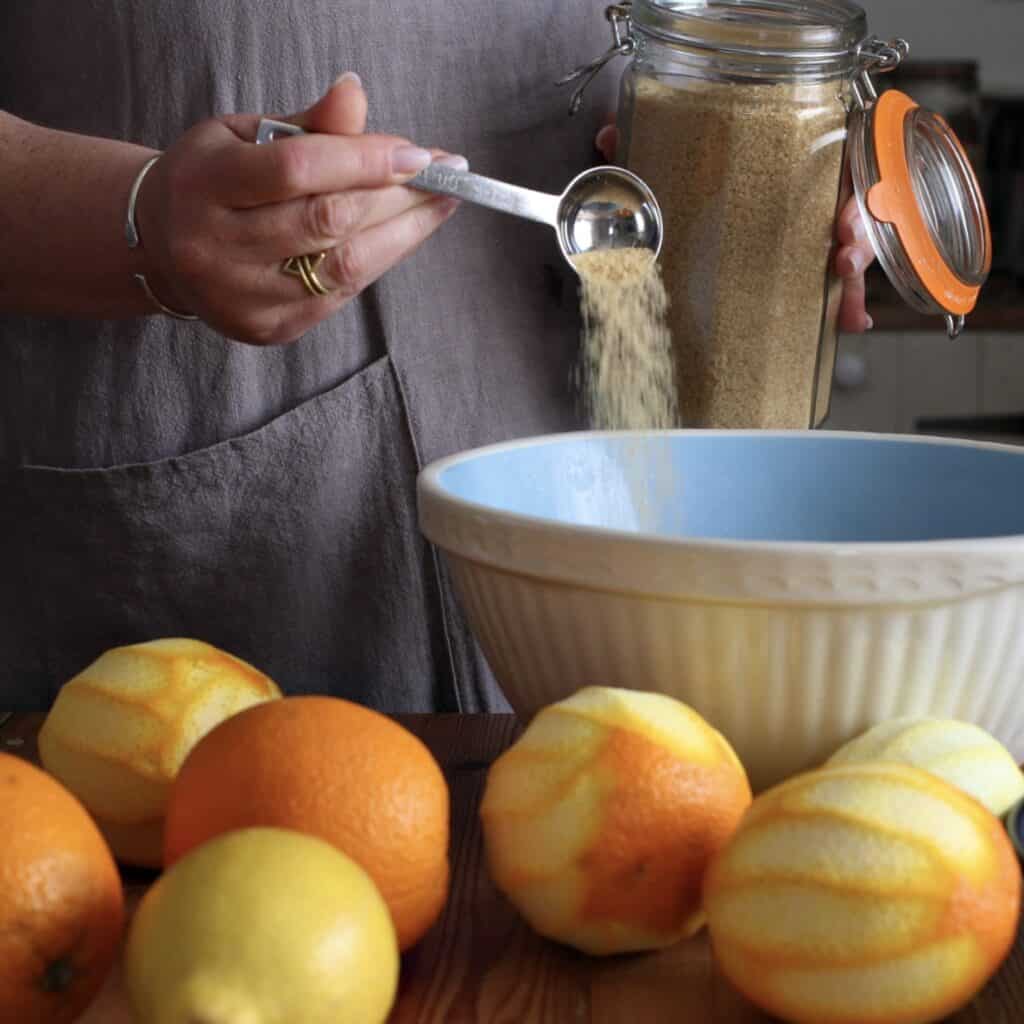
(868, 322)
(410, 159)
(858, 261)
(349, 76)
(456, 162)
(447, 206)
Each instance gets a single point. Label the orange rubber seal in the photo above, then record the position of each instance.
(892, 201)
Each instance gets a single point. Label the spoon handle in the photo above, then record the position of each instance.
(497, 195)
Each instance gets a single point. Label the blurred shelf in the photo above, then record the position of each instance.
(1000, 307)
(1003, 429)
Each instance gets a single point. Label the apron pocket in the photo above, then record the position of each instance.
(294, 547)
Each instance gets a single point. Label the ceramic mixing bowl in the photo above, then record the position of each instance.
(794, 588)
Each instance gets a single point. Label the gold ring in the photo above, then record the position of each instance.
(304, 268)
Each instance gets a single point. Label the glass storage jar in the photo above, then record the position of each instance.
(744, 117)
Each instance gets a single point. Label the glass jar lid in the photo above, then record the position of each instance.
(819, 37)
(921, 205)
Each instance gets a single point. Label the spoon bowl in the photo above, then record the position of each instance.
(608, 208)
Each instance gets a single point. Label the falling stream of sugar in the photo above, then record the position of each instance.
(628, 374)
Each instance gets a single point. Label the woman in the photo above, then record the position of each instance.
(204, 477)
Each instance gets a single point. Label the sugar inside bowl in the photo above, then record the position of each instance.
(794, 587)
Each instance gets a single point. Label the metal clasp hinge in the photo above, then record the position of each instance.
(623, 46)
(955, 325)
(876, 55)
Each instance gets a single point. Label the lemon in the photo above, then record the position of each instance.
(963, 754)
(599, 821)
(262, 926)
(863, 894)
(120, 730)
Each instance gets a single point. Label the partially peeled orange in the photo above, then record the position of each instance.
(963, 754)
(120, 730)
(600, 820)
(863, 894)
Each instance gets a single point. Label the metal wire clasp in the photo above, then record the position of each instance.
(876, 55)
(624, 44)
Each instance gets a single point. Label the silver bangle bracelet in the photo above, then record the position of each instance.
(131, 234)
(144, 285)
(131, 231)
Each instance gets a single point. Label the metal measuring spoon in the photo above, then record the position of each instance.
(602, 208)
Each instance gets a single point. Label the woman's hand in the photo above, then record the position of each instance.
(218, 215)
(853, 256)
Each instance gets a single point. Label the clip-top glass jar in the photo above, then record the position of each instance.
(743, 117)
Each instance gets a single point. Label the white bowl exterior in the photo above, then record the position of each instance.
(789, 649)
(787, 684)
(760, 572)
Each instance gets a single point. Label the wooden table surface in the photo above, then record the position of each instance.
(482, 965)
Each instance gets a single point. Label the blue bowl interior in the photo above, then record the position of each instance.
(823, 487)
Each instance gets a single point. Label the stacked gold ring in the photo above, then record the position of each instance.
(304, 268)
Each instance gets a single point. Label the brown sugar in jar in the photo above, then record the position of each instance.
(748, 177)
(753, 121)
(735, 113)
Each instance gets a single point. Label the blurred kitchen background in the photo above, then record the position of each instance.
(906, 376)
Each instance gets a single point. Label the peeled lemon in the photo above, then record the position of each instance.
(262, 926)
(863, 894)
(963, 754)
(600, 820)
(120, 730)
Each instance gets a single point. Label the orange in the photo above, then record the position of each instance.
(864, 894)
(61, 900)
(332, 769)
(119, 731)
(600, 820)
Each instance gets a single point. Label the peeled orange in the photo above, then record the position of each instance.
(600, 820)
(119, 731)
(863, 894)
(959, 752)
(332, 769)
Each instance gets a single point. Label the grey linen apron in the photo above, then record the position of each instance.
(158, 480)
